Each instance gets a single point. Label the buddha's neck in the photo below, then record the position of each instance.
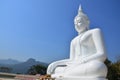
(81, 32)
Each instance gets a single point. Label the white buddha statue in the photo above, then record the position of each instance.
(87, 54)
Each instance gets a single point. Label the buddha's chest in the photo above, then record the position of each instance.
(84, 48)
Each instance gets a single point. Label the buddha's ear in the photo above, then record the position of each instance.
(88, 21)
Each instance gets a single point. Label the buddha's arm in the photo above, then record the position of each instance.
(72, 54)
(100, 50)
(54, 65)
(61, 63)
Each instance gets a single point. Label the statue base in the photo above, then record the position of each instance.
(81, 79)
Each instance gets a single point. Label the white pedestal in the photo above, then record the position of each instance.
(81, 79)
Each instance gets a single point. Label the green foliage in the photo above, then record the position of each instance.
(5, 69)
(37, 69)
(113, 70)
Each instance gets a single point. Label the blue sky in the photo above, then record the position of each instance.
(43, 29)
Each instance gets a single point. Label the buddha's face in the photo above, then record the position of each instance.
(81, 24)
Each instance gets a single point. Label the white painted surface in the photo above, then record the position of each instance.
(87, 54)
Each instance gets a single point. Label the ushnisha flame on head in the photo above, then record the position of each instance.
(81, 21)
(80, 12)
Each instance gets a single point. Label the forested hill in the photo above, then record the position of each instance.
(19, 67)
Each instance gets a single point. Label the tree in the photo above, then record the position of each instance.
(5, 69)
(113, 70)
(37, 69)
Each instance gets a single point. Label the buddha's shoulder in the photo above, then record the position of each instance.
(94, 30)
(74, 40)
(91, 31)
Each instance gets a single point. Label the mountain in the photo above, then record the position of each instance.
(8, 61)
(21, 67)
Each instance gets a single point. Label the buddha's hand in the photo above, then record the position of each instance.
(54, 65)
(82, 61)
(51, 68)
(70, 62)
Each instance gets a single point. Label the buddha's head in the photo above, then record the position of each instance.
(81, 21)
